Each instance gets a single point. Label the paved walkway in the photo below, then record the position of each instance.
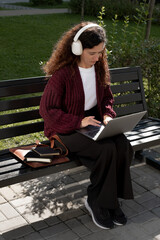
(21, 10)
(52, 207)
(31, 12)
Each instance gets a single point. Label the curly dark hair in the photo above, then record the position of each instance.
(62, 54)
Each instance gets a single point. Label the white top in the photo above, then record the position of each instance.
(89, 85)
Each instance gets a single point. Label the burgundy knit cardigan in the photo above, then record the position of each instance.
(62, 103)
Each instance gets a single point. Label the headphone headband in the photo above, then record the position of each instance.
(83, 29)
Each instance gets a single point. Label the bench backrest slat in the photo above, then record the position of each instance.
(121, 111)
(21, 130)
(128, 98)
(133, 86)
(19, 103)
(19, 117)
(22, 89)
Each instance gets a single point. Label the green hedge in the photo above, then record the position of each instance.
(120, 7)
(92, 7)
(147, 55)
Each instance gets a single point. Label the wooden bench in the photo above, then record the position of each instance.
(19, 115)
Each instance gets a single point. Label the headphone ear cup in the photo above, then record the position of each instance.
(77, 48)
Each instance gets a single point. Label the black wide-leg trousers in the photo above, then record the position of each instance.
(109, 160)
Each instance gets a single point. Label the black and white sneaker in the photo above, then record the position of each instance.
(100, 216)
(118, 216)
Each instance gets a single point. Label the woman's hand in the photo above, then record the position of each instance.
(106, 119)
(89, 121)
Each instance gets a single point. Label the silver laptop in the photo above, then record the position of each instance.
(114, 127)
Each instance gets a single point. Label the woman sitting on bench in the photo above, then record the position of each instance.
(78, 94)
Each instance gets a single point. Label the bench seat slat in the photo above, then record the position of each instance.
(138, 135)
(145, 142)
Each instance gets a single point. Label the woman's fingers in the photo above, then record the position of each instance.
(89, 121)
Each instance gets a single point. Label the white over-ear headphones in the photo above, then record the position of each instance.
(76, 46)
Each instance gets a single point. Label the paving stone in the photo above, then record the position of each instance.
(146, 181)
(51, 231)
(2, 217)
(156, 191)
(130, 231)
(39, 225)
(12, 223)
(78, 227)
(31, 218)
(1, 238)
(2, 200)
(152, 226)
(143, 217)
(87, 221)
(21, 201)
(129, 212)
(8, 210)
(46, 213)
(67, 179)
(8, 193)
(155, 202)
(81, 175)
(69, 235)
(137, 188)
(156, 211)
(33, 236)
(73, 213)
(133, 174)
(137, 208)
(17, 233)
(145, 197)
(101, 235)
(52, 220)
(18, 188)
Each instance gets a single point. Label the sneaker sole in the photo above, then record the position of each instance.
(118, 224)
(92, 215)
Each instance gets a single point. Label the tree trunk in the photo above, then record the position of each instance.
(82, 10)
(148, 26)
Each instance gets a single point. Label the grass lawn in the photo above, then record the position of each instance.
(27, 40)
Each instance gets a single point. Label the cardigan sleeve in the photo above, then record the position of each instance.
(107, 103)
(56, 120)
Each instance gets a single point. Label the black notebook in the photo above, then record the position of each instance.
(46, 151)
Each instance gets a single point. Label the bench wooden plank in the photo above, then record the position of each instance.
(21, 130)
(128, 98)
(19, 90)
(133, 86)
(19, 117)
(19, 103)
(124, 110)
